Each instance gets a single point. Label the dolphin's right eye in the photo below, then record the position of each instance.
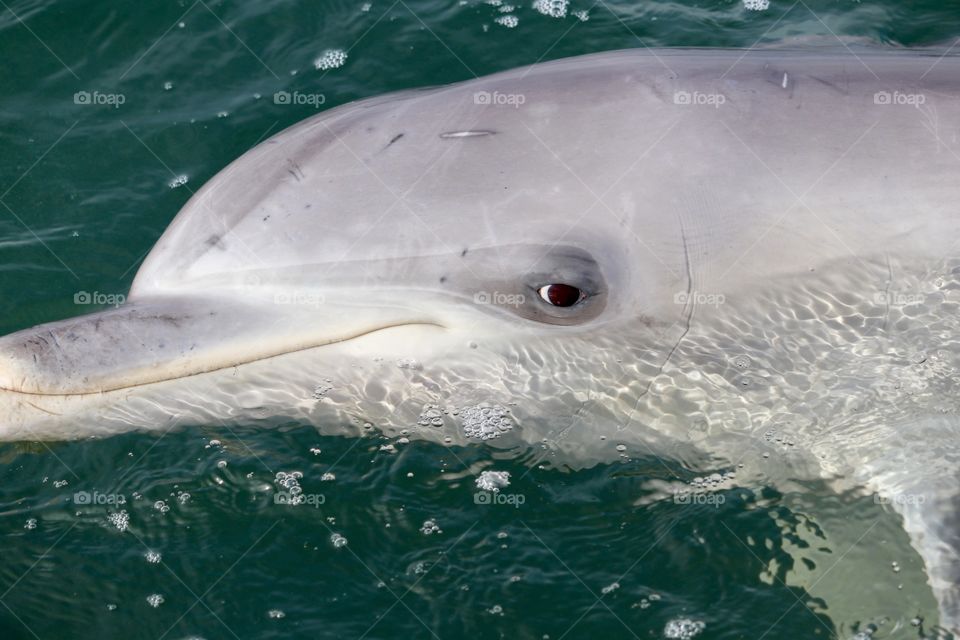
(561, 295)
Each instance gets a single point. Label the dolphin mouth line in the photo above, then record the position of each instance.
(213, 369)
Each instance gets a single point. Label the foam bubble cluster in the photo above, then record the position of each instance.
(178, 181)
(120, 519)
(485, 421)
(552, 8)
(756, 5)
(508, 21)
(330, 59)
(430, 527)
(289, 483)
(683, 629)
(431, 415)
(493, 480)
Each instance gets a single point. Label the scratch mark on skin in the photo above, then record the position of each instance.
(468, 134)
(886, 293)
(688, 308)
(392, 140)
(295, 170)
(42, 409)
(687, 315)
(830, 85)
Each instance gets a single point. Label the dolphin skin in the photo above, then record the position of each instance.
(678, 252)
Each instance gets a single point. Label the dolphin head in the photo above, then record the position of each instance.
(429, 229)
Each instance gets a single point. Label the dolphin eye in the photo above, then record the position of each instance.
(561, 295)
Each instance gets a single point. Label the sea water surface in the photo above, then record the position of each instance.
(113, 113)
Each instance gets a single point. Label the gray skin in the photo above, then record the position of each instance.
(765, 240)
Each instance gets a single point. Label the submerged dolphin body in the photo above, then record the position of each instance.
(678, 251)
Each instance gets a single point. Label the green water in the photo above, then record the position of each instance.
(85, 194)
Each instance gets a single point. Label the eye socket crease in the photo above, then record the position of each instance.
(561, 295)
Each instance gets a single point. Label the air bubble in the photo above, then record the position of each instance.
(552, 8)
(409, 363)
(493, 480)
(330, 59)
(120, 519)
(683, 629)
(610, 588)
(485, 422)
(178, 181)
(429, 527)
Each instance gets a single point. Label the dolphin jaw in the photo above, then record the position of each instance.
(151, 342)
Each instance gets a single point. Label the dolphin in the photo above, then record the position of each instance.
(710, 256)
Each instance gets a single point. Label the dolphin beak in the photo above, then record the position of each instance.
(165, 338)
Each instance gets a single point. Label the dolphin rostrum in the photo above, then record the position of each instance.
(673, 251)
